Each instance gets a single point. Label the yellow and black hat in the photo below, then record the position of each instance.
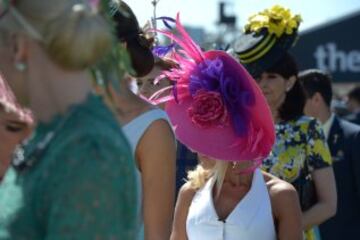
(268, 35)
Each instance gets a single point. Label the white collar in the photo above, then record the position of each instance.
(243, 213)
(327, 125)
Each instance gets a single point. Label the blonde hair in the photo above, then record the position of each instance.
(198, 177)
(72, 33)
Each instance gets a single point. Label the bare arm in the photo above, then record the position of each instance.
(287, 212)
(156, 153)
(325, 207)
(185, 197)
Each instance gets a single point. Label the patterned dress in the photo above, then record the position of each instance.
(82, 186)
(296, 141)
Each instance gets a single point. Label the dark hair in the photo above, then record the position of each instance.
(138, 46)
(316, 80)
(293, 106)
(355, 94)
(165, 64)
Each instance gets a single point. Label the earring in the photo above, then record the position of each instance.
(20, 66)
(234, 165)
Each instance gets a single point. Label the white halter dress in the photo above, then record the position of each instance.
(251, 219)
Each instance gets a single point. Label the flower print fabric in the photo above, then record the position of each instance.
(296, 141)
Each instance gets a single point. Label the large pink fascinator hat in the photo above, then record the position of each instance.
(9, 104)
(215, 106)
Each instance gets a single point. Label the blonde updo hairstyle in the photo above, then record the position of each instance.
(71, 32)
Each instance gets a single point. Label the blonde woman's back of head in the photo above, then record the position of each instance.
(72, 33)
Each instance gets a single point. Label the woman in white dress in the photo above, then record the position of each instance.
(218, 111)
(256, 205)
(148, 131)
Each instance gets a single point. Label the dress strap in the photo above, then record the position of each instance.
(135, 129)
(247, 209)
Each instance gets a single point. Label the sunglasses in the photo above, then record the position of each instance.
(15, 127)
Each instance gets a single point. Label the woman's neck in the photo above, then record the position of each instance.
(275, 107)
(53, 92)
(129, 105)
(239, 180)
(275, 115)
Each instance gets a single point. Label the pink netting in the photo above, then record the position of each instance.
(8, 102)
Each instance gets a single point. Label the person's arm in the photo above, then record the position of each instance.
(320, 164)
(185, 197)
(91, 191)
(156, 154)
(286, 210)
(325, 206)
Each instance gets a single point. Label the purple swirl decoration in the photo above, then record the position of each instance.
(162, 51)
(211, 75)
(167, 21)
(206, 76)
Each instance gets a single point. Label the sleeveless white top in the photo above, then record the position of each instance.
(251, 219)
(134, 130)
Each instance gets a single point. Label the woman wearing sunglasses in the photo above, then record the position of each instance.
(75, 177)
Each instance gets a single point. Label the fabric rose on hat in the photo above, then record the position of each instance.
(208, 110)
(211, 76)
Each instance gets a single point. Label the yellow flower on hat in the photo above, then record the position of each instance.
(277, 20)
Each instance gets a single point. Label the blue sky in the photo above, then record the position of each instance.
(204, 13)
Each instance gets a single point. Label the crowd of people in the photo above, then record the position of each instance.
(211, 144)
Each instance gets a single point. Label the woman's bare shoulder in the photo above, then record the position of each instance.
(279, 189)
(283, 196)
(187, 192)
